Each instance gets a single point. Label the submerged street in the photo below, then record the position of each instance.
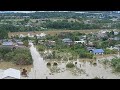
(39, 70)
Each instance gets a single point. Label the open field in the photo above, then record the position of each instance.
(55, 31)
(52, 32)
(6, 65)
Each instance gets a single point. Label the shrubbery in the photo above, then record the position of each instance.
(86, 55)
(41, 48)
(55, 64)
(70, 65)
(108, 51)
(116, 64)
(18, 56)
(48, 64)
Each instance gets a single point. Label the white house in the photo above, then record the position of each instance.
(42, 35)
(11, 74)
(21, 36)
(82, 41)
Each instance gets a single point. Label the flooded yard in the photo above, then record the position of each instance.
(82, 70)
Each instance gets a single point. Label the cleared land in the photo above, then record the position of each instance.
(52, 32)
(6, 65)
(55, 31)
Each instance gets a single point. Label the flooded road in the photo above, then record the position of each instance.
(39, 70)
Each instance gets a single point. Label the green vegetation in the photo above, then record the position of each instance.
(41, 48)
(20, 56)
(96, 77)
(3, 34)
(48, 64)
(26, 43)
(70, 65)
(116, 64)
(55, 64)
(41, 21)
(108, 51)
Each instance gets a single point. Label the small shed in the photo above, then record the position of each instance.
(11, 74)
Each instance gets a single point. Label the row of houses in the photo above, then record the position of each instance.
(13, 44)
(31, 35)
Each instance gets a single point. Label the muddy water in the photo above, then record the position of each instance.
(40, 71)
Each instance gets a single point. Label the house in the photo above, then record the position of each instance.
(20, 43)
(97, 51)
(67, 41)
(50, 43)
(82, 42)
(42, 35)
(8, 43)
(11, 74)
(101, 35)
(21, 36)
(90, 48)
(116, 33)
(116, 38)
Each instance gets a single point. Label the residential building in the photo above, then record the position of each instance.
(67, 41)
(11, 74)
(97, 51)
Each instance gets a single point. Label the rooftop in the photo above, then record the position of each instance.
(11, 73)
(97, 50)
(7, 43)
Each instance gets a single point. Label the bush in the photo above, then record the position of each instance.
(20, 56)
(65, 59)
(86, 55)
(96, 77)
(22, 59)
(3, 51)
(26, 43)
(48, 64)
(116, 64)
(71, 58)
(41, 48)
(108, 51)
(9, 56)
(55, 64)
(70, 65)
(75, 62)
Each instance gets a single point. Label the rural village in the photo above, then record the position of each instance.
(60, 54)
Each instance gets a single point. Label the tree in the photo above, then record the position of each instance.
(26, 43)
(3, 34)
(54, 54)
(22, 59)
(26, 20)
(36, 40)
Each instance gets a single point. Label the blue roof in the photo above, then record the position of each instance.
(7, 43)
(98, 50)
